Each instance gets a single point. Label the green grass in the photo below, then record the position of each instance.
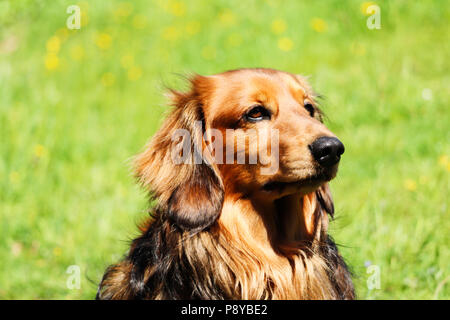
(71, 119)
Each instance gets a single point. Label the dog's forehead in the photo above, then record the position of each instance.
(263, 79)
(258, 85)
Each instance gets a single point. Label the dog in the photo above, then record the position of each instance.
(225, 229)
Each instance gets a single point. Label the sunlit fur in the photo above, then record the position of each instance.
(217, 231)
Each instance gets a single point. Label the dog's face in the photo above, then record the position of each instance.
(272, 144)
(270, 116)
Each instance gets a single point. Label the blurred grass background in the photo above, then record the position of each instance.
(75, 105)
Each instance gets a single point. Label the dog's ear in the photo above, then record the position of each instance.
(325, 199)
(175, 168)
(316, 208)
(325, 207)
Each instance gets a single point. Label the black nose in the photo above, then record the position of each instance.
(327, 150)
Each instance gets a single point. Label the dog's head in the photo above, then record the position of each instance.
(251, 133)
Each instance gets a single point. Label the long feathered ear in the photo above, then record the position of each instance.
(175, 169)
(325, 199)
(316, 208)
(326, 207)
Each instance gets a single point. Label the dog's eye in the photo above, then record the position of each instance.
(310, 108)
(257, 113)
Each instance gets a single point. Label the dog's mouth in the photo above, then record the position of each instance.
(304, 185)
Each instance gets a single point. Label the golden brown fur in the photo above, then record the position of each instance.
(224, 230)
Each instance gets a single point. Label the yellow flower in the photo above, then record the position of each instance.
(139, 21)
(103, 41)
(234, 40)
(53, 44)
(108, 79)
(171, 33)
(124, 9)
(285, 44)
(279, 26)
(193, 27)
(209, 53)
(410, 185)
(127, 61)
(319, 25)
(77, 52)
(227, 18)
(134, 73)
(39, 151)
(14, 177)
(51, 61)
(443, 160)
(177, 8)
(364, 6)
(57, 251)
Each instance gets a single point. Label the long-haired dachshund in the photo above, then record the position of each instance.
(224, 226)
